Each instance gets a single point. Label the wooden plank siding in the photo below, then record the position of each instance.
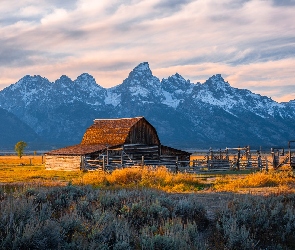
(63, 162)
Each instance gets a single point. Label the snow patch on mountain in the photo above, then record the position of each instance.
(112, 98)
(170, 100)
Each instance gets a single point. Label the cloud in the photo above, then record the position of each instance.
(241, 39)
(284, 2)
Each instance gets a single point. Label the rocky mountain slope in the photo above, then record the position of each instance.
(186, 115)
(12, 130)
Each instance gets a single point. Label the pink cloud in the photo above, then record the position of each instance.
(251, 43)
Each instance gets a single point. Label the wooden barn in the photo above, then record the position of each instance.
(113, 143)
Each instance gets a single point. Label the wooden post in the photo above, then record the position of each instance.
(142, 160)
(103, 163)
(211, 154)
(82, 162)
(176, 170)
(259, 161)
(107, 156)
(248, 156)
(274, 163)
(239, 156)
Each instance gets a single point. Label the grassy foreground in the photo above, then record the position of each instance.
(159, 178)
(15, 170)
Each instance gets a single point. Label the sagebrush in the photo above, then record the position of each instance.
(83, 217)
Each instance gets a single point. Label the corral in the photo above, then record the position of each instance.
(113, 143)
(244, 158)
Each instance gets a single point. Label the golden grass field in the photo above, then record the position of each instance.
(15, 170)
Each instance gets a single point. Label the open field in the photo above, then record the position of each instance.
(25, 160)
(143, 208)
(15, 170)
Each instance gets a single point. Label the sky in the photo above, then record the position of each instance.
(251, 43)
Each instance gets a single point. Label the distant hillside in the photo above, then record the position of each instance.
(185, 114)
(12, 130)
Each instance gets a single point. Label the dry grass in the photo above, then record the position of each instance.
(30, 169)
(279, 180)
(36, 174)
(25, 160)
(158, 178)
(15, 170)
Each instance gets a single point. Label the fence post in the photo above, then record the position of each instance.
(239, 156)
(107, 156)
(274, 163)
(122, 158)
(176, 170)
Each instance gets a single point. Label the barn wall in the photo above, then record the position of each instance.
(143, 133)
(65, 163)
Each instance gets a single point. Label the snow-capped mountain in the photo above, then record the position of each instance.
(185, 114)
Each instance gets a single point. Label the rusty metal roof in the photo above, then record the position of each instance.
(78, 149)
(109, 132)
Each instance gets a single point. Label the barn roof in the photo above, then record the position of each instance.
(102, 134)
(110, 132)
(78, 149)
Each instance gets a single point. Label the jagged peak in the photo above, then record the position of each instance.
(28, 81)
(178, 76)
(141, 69)
(31, 78)
(142, 66)
(216, 77)
(176, 81)
(63, 80)
(218, 81)
(85, 77)
(65, 77)
(87, 80)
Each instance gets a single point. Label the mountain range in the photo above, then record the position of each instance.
(185, 114)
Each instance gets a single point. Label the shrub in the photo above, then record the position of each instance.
(258, 221)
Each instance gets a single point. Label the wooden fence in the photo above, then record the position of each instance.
(172, 163)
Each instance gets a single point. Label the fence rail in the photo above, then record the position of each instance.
(191, 166)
